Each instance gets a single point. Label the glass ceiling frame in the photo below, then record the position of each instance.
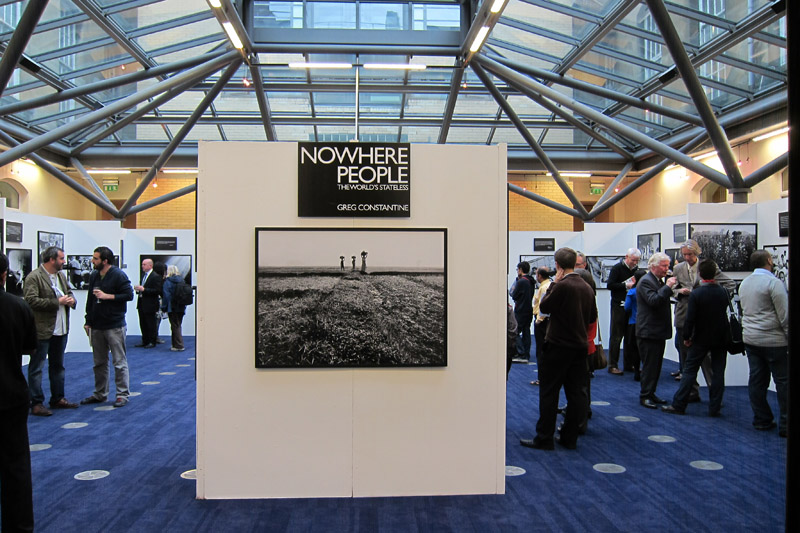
(609, 130)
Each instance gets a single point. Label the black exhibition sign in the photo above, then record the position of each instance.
(349, 179)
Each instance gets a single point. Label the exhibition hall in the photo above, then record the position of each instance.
(396, 265)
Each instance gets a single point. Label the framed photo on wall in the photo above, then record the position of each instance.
(183, 262)
(780, 261)
(675, 256)
(2, 234)
(537, 261)
(679, 233)
(600, 266)
(783, 224)
(13, 231)
(20, 264)
(648, 244)
(544, 245)
(350, 298)
(47, 239)
(729, 245)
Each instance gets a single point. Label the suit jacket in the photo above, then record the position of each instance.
(706, 316)
(653, 316)
(681, 272)
(148, 299)
(17, 336)
(39, 293)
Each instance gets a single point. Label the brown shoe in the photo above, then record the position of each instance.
(40, 410)
(615, 371)
(63, 403)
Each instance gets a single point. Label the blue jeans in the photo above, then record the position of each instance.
(765, 361)
(51, 349)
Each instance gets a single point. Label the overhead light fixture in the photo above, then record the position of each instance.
(311, 64)
(497, 6)
(572, 174)
(706, 156)
(179, 170)
(395, 66)
(771, 134)
(246, 82)
(232, 35)
(215, 3)
(109, 171)
(479, 38)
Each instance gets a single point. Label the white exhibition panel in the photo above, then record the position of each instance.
(350, 432)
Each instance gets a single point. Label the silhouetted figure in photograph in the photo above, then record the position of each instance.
(363, 262)
(341, 262)
(354, 262)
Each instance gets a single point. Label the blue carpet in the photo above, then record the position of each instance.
(146, 445)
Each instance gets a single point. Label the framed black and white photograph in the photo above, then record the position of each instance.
(537, 261)
(20, 264)
(729, 245)
(783, 224)
(349, 298)
(47, 239)
(679, 233)
(648, 244)
(780, 262)
(2, 234)
(183, 262)
(600, 266)
(544, 245)
(675, 256)
(79, 269)
(13, 231)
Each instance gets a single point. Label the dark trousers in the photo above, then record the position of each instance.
(149, 326)
(619, 323)
(567, 367)
(52, 351)
(524, 342)
(705, 365)
(631, 349)
(652, 353)
(16, 492)
(175, 321)
(765, 361)
(539, 333)
(695, 357)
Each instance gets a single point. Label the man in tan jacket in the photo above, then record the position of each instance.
(47, 292)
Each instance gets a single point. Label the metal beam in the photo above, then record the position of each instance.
(66, 180)
(615, 183)
(608, 122)
(599, 91)
(162, 199)
(542, 200)
(263, 103)
(16, 46)
(103, 85)
(113, 29)
(118, 106)
(512, 116)
(182, 133)
(773, 167)
(82, 171)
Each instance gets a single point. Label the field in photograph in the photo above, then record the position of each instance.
(348, 319)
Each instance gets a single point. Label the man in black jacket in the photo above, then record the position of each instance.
(620, 279)
(523, 309)
(148, 305)
(17, 336)
(705, 331)
(653, 325)
(109, 293)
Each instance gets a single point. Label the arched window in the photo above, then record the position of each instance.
(713, 194)
(10, 194)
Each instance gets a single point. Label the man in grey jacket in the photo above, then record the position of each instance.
(47, 292)
(765, 324)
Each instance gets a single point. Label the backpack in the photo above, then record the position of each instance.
(182, 294)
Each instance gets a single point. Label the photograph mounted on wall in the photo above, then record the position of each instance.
(600, 266)
(674, 255)
(47, 239)
(13, 231)
(536, 261)
(648, 244)
(350, 298)
(679, 233)
(780, 262)
(20, 264)
(544, 245)
(729, 245)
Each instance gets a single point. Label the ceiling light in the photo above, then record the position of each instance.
(706, 156)
(395, 66)
(497, 6)
(109, 171)
(320, 65)
(476, 44)
(246, 82)
(771, 134)
(232, 35)
(215, 3)
(179, 170)
(572, 174)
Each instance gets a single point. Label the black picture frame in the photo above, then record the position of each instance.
(165, 243)
(537, 261)
(316, 306)
(2, 234)
(13, 231)
(780, 262)
(648, 244)
(783, 224)
(182, 261)
(674, 255)
(47, 239)
(544, 245)
(79, 268)
(600, 267)
(729, 245)
(679, 233)
(20, 264)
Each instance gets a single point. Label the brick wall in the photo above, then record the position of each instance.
(175, 214)
(525, 214)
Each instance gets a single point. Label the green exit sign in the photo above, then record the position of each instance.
(110, 188)
(596, 190)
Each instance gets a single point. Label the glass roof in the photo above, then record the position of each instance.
(738, 50)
